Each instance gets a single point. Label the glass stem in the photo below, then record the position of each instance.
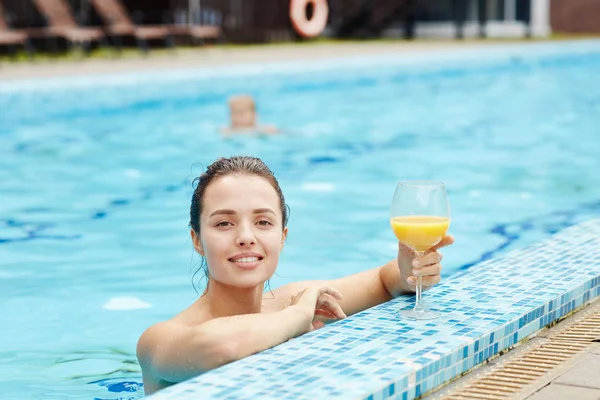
(419, 288)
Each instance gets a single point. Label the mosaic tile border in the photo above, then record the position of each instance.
(373, 355)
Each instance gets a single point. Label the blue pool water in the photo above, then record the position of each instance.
(95, 183)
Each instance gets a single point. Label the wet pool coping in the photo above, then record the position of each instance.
(375, 355)
(560, 378)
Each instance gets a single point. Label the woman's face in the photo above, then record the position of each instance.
(241, 233)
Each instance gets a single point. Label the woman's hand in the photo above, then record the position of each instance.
(428, 266)
(317, 301)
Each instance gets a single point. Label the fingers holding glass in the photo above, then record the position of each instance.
(427, 259)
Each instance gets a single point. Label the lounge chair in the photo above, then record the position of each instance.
(12, 37)
(62, 24)
(115, 16)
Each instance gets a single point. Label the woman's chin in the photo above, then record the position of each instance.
(250, 283)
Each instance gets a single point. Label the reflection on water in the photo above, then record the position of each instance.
(120, 388)
(112, 374)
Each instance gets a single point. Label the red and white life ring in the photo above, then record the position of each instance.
(313, 27)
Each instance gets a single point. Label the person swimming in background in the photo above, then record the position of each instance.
(243, 118)
(238, 221)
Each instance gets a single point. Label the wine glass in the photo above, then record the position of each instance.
(419, 217)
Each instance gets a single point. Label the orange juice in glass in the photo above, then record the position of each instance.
(420, 217)
(420, 232)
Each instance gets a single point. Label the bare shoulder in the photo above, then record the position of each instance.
(162, 334)
(160, 347)
(268, 129)
(156, 335)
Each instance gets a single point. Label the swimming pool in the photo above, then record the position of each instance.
(95, 182)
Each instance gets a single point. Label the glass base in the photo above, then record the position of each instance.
(419, 315)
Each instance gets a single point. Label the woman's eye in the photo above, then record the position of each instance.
(264, 222)
(223, 223)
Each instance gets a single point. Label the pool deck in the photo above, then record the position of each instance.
(215, 56)
(576, 377)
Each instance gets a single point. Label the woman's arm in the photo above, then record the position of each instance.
(175, 352)
(360, 291)
(378, 285)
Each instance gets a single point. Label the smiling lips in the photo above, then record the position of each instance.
(246, 261)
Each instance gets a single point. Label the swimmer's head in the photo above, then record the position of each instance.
(242, 112)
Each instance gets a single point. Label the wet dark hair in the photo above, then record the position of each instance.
(237, 165)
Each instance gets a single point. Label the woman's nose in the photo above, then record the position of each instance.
(245, 237)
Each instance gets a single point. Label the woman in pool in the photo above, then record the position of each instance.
(238, 221)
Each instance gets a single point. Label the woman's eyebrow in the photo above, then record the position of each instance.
(263, 211)
(222, 212)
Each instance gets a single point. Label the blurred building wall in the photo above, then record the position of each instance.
(575, 16)
(503, 18)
